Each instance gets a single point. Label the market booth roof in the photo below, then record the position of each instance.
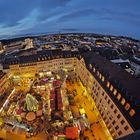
(72, 132)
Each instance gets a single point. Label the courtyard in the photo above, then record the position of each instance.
(49, 105)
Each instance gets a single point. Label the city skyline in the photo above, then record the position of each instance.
(98, 16)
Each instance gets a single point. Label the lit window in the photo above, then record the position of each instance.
(90, 66)
(108, 84)
(132, 112)
(98, 73)
(103, 78)
(127, 106)
(94, 69)
(119, 96)
(111, 88)
(115, 92)
(123, 101)
(100, 76)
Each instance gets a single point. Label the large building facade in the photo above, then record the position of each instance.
(110, 88)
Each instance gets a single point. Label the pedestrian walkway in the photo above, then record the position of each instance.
(96, 131)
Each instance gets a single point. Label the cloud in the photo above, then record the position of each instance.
(78, 14)
(28, 16)
(21, 25)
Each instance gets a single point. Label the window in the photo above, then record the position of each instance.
(118, 116)
(111, 88)
(119, 133)
(103, 79)
(100, 76)
(94, 70)
(90, 66)
(115, 111)
(110, 118)
(98, 73)
(132, 112)
(105, 97)
(126, 127)
(127, 106)
(115, 92)
(108, 84)
(117, 127)
(122, 121)
(113, 122)
(108, 101)
(123, 101)
(119, 96)
(112, 106)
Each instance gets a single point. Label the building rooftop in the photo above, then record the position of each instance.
(133, 136)
(2, 74)
(136, 60)
(40, 56)
(127, 85)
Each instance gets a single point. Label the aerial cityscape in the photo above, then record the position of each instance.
(69, 70)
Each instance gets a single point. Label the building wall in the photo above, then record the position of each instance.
(49, 65)
(113, 118)
(136, 68)
(4, 83)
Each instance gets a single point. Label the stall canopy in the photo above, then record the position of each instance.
(72, 132)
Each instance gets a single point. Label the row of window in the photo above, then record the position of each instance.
(27, 64)
(121, 99)
(104, 111)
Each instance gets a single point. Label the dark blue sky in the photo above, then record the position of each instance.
(118, 17)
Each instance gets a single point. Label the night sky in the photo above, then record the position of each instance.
(117, 17)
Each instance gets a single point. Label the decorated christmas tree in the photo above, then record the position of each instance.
(32, 103)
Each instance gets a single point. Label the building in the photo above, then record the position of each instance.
(135, 64)
(133, 136)
(4, 82)
(125, 64)
(13, 46)
(28, 43)
(1, 48)
(113, 90)
(43, 61)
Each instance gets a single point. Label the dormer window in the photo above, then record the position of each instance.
(100, 76)
(119, 96)
(111, 88)
(90, 66)
(98, 73)
(115, 92)
(132, 112)
(127, 106)
(103, 78)
(123, 101)
(108, 84)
